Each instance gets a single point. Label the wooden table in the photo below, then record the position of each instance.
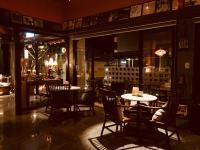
(144, 98)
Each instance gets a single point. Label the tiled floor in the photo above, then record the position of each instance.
(34, 131)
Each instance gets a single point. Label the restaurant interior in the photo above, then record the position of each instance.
(119, 75)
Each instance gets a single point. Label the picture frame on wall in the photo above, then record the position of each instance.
(103, 18)
(149, 8)
(162, 6)
(78, 23)
(86, 22)
(135, 11)
(113, 15)
(175, 4)
(124, 13)
(65, 26)
(27, 20)
(38, 23)
(16, 18)
(71, 24)
(93, 20)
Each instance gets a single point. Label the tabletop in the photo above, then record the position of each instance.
(144, 98)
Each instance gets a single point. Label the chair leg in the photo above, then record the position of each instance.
(116, 127)
(167, 138)
(177, 134)
(103, 126)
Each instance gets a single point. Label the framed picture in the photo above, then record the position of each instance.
(103, 18)
(78, 23)
(162, 6)
(149, 8)
(65, 26)
(93, 20)
(175, 4)
(28, 20)
(135, 11)
(71, 24)
(16, 18)
(124, 13)
(86, 22)
(38, 23)
(113, 15)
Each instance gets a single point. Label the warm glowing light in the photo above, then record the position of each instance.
(26, 54)
(106, 69)
(1, 76)
(63, 49)
(30, 45)
(147, 70)
(160, 52)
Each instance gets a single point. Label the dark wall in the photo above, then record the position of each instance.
(4, 58)
(102, 47)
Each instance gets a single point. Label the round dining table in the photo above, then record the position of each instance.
(139, 99)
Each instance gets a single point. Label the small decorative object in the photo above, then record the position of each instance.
(136, 11)
(140, 93)
(28, 20)
(135, 91)
(16, 18)
(149, 8)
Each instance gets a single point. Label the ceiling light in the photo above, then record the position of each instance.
(160, 52)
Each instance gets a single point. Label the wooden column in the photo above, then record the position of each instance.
(18, 50)
(75, 62)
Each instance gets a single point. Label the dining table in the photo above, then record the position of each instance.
(139, 99)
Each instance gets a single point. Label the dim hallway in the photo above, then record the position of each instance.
(34, 131)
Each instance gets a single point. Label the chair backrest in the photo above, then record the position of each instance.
(172, 107)
(111, 105)
(60, 95)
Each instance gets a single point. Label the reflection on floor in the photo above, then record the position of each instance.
(34, 131)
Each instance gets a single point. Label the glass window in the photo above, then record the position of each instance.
(162, 5)
(157, 58)
(149, 8)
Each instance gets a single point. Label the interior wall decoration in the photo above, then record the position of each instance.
(124, 13)
(103, 18)
(175, 4)
(38, 23)
(162, 5)
(149, 8)
(78, 23)
(28, 20)
(93, 20)
(71, 24)
(113, 16)
(86, 22)
(135, 11)
(16, 18)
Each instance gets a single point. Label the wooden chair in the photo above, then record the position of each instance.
(47, 94)
(164, 117)
(113, 110)
(60, 97)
